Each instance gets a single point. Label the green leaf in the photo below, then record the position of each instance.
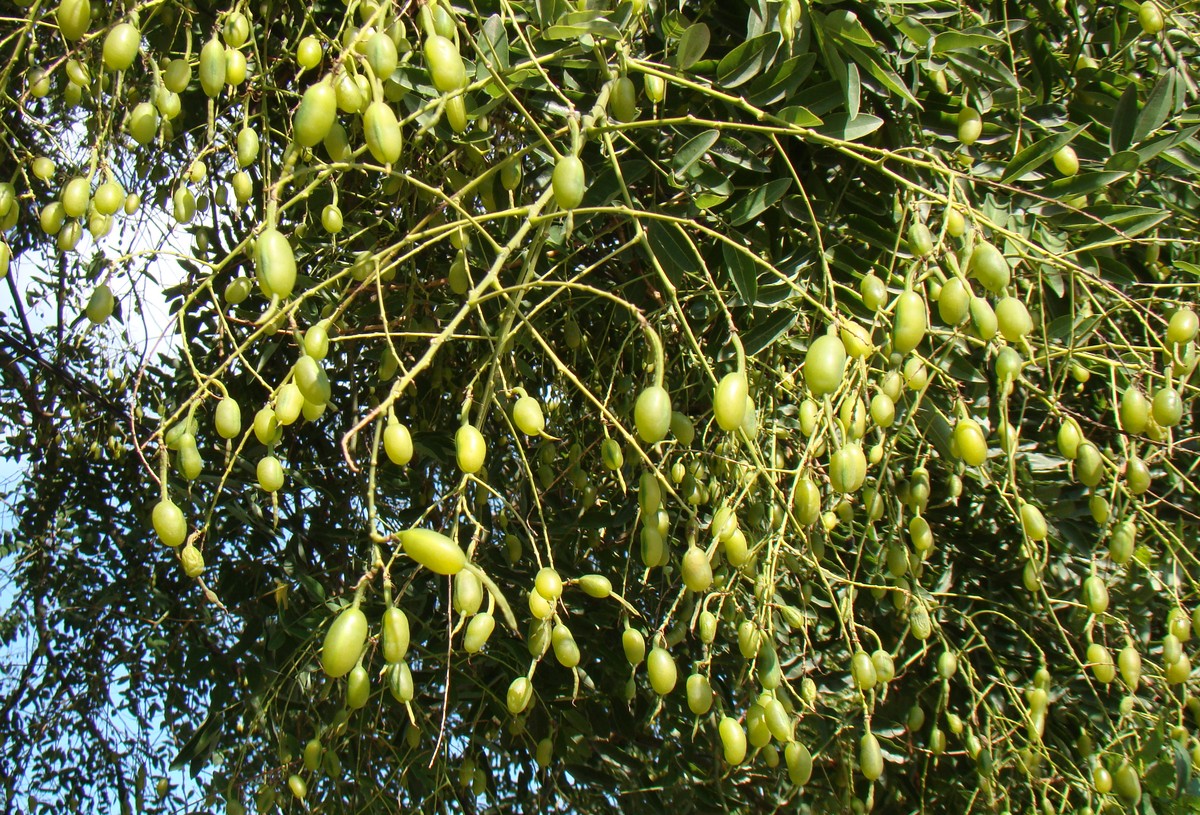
(872, 230)
(548, 11)
(1037, 154)
(782, 80)
(962, 368)
(984, 67)
(692, 46)
(750, 207)
(608, 186)
(799, 116)
(1127, 218)
(1115, 271)
(853, 90)
(708, 200)
(1072, 329)
(579, 23)
(733, 152)
(1138, 220)
(711, 179)
(673, 251)
(1157, 109)
(693, 151)
(745, 62)
(196, 749)
(1125, 161)
(494, 42)
(949, 41)
(846, 26)
(841, 126)
(769, 328)
(937, 430)
(1120, 135)
(313, 586)
(1082, 184)
(820, 97)
(1165, 142)
(915, 30)
(674, 24)
(876, 67)
(1117, 222)
(743, 272)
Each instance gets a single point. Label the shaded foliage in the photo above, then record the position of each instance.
(727, 223)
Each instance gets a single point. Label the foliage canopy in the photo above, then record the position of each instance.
(746, 405)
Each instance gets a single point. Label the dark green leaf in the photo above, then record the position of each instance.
(768, 328)
(1158, 144)
(871, 230)
(1115, 271)
(743, 272)
(1119, 222)
(750, 207)
(494, 42)
(599, 518)
(1126, 218)
(985, 67)
(836, 66)
(710, 179)
(692, 46)
(1038, 153)
(694, 150)
(1124, 162)
(782, 80)
(1183, 766)
(949, 41)
(798, 116)
(735, 153)
(840, 126)
(674, 24)
(1081, 184)
(938, 430)
(1157, 109)
(1072, 329)
(876, 67)
(1120, 135)
(853, 90)
(962, 368)
(579, 23)
(846, 26)
(1187, 160)
(438, 446)
(745, 62)
(671, 248)
(549, 11)
(820, 97)
(608, 186)
(313, 586)
(196, 749)
(915, 30)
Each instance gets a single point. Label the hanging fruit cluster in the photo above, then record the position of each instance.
(871, 462)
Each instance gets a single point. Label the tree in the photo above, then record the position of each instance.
(577, 407)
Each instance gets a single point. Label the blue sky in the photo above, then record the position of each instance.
(129, 342)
